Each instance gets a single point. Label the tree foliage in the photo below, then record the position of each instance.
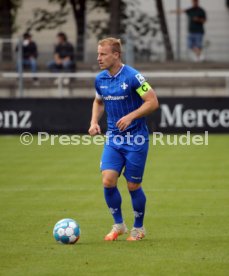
(43, 19)
(8, 13)
(129, 22)
(136, 27)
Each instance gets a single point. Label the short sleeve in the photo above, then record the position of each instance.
(137, 81)
(97, 90)
(140, 85)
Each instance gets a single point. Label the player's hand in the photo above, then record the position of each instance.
(124, 122)
(94, 129)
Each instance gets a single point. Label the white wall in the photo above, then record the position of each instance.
(217, 26)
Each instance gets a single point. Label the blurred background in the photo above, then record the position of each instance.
(154, 36)
(48, 51)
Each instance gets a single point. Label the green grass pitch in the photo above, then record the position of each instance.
(186, 219)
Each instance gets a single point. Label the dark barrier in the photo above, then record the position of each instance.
(50, 115)
(176, 115)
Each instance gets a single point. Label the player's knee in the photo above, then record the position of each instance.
(133, 186)
(109, 181)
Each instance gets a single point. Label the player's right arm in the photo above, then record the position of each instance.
(97, 112)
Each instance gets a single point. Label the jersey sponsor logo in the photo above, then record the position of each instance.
(124, 86)
(114, 98)
(103, 86)
(140, 78)
(136, 177)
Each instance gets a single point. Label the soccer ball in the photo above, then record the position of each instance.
(66, 231)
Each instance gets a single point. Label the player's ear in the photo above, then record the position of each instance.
(117, 55)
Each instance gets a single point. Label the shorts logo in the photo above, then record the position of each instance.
(140, 78)
(124, 86)
(136, 177)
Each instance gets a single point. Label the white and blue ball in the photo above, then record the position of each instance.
(66, 231)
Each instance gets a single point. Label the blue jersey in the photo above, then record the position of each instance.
(120, 96)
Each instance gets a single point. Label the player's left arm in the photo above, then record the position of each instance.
(149, 105)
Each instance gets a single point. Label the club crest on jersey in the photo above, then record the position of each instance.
(124, 86)
(140, 78)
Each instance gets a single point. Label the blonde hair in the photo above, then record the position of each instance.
(113, 42)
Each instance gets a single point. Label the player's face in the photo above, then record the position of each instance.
(106, 58)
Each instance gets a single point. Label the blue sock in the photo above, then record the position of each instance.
(114, 201)
(138, 203)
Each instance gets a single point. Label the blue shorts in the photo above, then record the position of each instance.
(132, 158)
(195, 40)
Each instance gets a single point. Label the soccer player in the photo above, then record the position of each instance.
(127, 98)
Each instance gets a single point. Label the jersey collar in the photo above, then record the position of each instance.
(120, 70)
